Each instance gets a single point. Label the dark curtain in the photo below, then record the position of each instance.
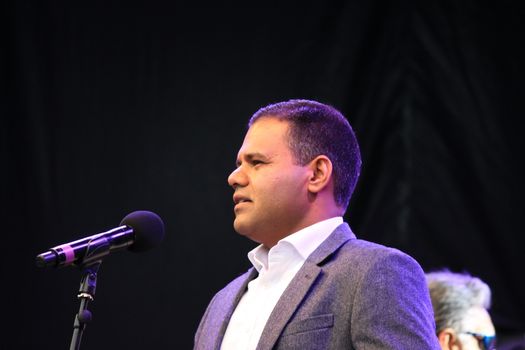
(110, 107)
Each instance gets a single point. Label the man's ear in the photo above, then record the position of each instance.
(448, 339)
(321, 168)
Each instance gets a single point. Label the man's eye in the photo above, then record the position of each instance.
(256, 162)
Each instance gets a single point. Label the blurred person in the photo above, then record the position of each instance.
(313, 284)
(461, 303)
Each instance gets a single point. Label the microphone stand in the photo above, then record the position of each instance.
(88, 284)
(89, 265)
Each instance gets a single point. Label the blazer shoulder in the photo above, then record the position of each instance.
(367, 254)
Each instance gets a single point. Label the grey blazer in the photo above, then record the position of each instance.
(349, 294)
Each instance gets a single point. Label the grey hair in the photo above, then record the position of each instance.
(453, 294)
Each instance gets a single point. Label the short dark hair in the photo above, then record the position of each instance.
(319, 129)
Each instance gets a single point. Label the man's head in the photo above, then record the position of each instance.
(461, 304)
(315, 129)
(298, 164)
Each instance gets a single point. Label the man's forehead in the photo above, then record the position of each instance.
(261, 149)
(267, 137)
(265, 133)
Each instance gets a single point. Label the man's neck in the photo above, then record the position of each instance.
(275, 239)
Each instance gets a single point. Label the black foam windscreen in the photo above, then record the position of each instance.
(148, 229)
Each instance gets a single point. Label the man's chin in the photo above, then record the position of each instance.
(240, 227)
(244, 229)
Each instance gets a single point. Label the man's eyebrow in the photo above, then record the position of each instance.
(251, 156)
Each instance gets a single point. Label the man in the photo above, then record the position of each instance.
(460, 304)
(313, 284)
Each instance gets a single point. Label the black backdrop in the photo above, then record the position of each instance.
(113, 107)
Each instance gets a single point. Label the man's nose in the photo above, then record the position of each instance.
(237, 178)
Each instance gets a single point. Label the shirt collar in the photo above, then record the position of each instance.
(305, 241)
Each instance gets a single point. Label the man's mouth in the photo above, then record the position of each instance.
(237, 199)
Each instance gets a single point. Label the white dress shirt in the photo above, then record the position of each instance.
(276, 267)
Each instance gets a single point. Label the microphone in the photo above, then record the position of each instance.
(138, 231)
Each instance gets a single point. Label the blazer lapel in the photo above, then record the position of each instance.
(229, 302)
(287, 304)
(299, 286)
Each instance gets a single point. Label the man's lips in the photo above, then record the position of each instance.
(238, 199)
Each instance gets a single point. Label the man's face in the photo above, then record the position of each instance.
(271, 197)
(477, 320)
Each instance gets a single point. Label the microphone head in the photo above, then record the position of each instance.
(148, 229)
